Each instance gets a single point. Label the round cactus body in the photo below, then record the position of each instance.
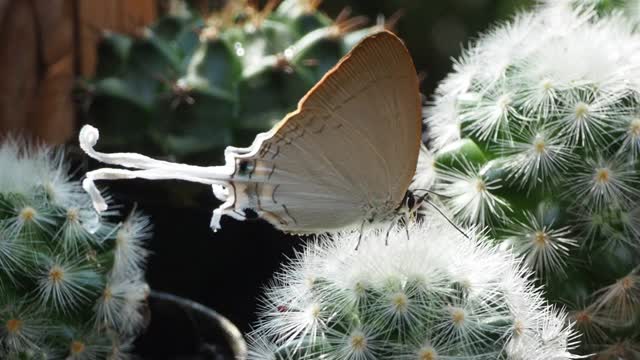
(436, 295)
(536, 135)
(71, 282)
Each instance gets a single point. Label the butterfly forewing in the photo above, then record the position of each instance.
(347, 154)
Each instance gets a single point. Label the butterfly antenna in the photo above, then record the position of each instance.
(433, 192)
(446, 217)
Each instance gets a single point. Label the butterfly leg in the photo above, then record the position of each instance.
(386, 238)
(407, 219)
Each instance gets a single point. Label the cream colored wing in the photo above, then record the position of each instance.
(348, 153)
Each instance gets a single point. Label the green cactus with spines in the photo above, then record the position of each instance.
(605, 7)
(71, 282)
(439, 295)
(190, 85)
(536, 135)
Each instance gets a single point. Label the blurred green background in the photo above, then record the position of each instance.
(434, 31)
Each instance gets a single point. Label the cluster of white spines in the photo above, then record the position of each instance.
(561, 100)
(437, 295)
(553, 69)
(552, 101)
(60, 261)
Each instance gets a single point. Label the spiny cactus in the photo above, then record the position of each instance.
(629, 8)
(536, 135)
(437, 295)
(189, 86)
(71, 282)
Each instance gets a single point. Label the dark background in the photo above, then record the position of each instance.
(433, 30)
(226, 270)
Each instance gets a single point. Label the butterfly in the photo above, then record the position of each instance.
(345, 157)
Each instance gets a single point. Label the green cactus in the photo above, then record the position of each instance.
(536, 134)
(71, 282)
(439, 295)
(191, 85)
(630, 8)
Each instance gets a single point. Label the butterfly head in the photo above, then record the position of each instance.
(411, 203)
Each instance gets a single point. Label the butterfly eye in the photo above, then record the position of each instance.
(411, 200)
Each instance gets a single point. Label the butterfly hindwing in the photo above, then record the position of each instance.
(347, 153)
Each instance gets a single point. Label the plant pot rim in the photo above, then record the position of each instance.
(231, 333)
